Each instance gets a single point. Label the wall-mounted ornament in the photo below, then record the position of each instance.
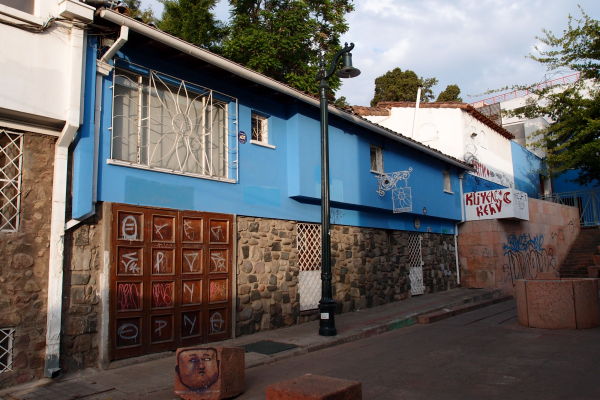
(401, 195)
(242, 137)
(417, 223)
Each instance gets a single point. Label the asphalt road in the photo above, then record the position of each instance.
(483, 354)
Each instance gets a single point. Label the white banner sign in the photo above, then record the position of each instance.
(493, 204)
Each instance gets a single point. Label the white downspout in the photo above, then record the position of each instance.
(462, 219)
(417, 103)
(59, 201)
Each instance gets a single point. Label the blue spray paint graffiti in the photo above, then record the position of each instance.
(527, 257)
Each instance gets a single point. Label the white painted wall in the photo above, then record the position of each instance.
(450, 130)
(35, 67)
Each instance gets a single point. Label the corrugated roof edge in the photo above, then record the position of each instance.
(246, 73)
(463, 106)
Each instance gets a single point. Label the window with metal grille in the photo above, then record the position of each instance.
(11, 159)
(309, 262)
(6, 348)
(260, 129)
(447, 182)
(167, 124)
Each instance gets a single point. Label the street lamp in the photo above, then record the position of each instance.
(327, 304)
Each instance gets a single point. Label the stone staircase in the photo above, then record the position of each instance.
(585, 252)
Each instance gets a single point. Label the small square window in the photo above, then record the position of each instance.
(21, 5)
(6, 348)
(260, 129)
(447, 182)
(376, 159)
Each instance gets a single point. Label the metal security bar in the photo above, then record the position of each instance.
(587, 201)
(167, 124)
(11, 161)
(6, 348)
(415, 262)
(309, 262)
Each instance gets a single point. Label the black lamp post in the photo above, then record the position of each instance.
(327, 304)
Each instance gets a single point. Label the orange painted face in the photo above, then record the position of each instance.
(198, 369)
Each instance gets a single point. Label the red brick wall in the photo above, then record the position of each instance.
(494, 253)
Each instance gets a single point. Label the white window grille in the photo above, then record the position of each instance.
(260, 129)
(6, 348)
(415, 263)
(11, 160)
(167, 124)
(309, 262)
(376, 159)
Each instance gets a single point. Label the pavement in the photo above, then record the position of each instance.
(151, 377)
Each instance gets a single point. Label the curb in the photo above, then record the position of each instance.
(456, 308)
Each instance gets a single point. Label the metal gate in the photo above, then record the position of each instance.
(415, 264)
(309, 262)
(170, 279)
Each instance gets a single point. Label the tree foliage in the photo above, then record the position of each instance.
(573, 139)
(194, 22)
(398, 85)
(147, 16)
(450, 94)
(284, 38)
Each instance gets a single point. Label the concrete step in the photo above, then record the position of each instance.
(448, 312)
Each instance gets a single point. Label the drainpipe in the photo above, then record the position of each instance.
(104, 66)
(59, 201)
(462, 219)
(417, 103)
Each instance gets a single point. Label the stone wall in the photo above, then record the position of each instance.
(494, 253)
(24, 270)
(81, 301)
(369, 268)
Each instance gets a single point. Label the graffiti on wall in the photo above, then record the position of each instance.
(526, 257)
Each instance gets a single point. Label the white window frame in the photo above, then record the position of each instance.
(7, 336)
(447, 182)
(376, 158)
(260, 130)
(10, 180)
(145, 85)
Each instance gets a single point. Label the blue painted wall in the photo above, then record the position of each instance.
(472, 183)
(566, 182)
(527, 168)
(284, 182)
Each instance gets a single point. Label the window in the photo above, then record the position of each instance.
(260, 129)
(11, 158)
(6, 348)
(447, 182)
(376, 159)
(170, 125)
(21, 5)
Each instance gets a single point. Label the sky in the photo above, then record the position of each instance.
(480, 45)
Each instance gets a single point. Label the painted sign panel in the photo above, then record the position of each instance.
(496, 204)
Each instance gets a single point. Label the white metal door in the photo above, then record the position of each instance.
(309, 262)
(415, 262)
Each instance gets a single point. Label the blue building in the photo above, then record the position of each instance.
(195, 188)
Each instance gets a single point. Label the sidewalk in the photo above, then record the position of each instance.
(151, 377)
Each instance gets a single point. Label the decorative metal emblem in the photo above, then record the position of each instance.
(401, 195)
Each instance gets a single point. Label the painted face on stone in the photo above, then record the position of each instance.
(198, 369)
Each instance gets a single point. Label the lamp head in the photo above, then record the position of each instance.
(348, 71)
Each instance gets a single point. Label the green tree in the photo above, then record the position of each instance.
(284, 38)
(573, 139)
(194, 22)
(398, 85)
(135, 11)
(450, 94)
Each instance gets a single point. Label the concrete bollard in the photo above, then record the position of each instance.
(315, 387)
(209, 373)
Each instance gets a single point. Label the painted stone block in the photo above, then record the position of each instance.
(315, 387)
(521, 298)
(550, 304)
(209, 373)
(587, 311)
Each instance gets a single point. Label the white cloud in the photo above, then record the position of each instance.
(477, 44)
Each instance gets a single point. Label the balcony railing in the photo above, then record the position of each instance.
(587, 201)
